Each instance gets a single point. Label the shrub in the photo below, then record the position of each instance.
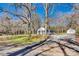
(77, 32)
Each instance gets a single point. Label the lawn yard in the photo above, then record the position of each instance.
(20, 39)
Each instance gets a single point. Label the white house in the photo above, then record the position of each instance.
(42, 31)
(71, 33)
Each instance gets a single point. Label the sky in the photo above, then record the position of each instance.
(58, 10)
(63, 7)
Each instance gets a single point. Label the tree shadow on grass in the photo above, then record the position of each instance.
(61, 47)
(27, 49)
(45, 51)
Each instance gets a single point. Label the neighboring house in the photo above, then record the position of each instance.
(71, 33)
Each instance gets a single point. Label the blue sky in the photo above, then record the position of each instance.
(63, 7)
(54, 13)
(58, 8)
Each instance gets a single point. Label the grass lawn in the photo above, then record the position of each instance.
(21, 39)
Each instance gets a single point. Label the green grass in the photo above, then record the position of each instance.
(23, 40)
(16, 37)
(19, 40)
(61, 33)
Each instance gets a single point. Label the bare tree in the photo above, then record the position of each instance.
(36, 22)
(47, 7)
(73, 18)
